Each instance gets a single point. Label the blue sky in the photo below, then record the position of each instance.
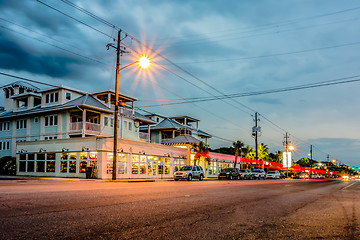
(231, 46)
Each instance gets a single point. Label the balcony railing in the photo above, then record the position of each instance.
(124, 111)
(144, 136)
(78, 126)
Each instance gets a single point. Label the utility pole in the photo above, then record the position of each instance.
(256, 136)
(256, 132)
(286, 143)
(116, 112)
(328, 160)
(311, 157)
(119, 53)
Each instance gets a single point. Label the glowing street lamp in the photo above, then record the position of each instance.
(291, 148)
(143, 62)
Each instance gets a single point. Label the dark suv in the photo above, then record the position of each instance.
(229, 173)
(189, 172)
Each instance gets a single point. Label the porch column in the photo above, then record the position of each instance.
(148, 132)
(83, 123)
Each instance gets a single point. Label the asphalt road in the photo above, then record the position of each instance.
(258, 209)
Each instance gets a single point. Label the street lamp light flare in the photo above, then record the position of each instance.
(144, 62)
(291, 148)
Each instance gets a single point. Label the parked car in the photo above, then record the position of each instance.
(304, 175)
(258, 173)
(273, 174)
(315, 175)
(229, 173)
(245, 174)
(189, 172)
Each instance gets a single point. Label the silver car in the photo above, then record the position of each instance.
(258, 173)
(189, 172)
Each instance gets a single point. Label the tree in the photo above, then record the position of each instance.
(7, 165)
(263, 153)
(238, 146)
(201, 150)
(276, 157)
(249, 152)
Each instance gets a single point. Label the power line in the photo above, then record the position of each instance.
(27, 79)
(274, 24)
(54, 39)
(237, 95)
(142, 44)
(53, 45)
(275, 54)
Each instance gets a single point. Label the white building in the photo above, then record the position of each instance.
(60, 131)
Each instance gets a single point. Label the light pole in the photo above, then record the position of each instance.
(143, 63)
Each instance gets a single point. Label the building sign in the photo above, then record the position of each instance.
(92, 155)
(286, 159)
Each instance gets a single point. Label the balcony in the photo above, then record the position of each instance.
(127, 112)
(90, 128)
(144, 136)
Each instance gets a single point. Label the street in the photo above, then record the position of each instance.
(251, 209)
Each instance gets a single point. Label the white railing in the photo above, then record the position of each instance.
(78, 126)
(123, 111)
(144, 136)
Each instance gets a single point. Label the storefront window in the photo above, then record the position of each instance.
(64, 167)
(122, 163)
(22, 166)
(40, 166)
(64, 156)
(135, 169)
(83, 155)
(72, 156)
(142, 168)
(41, 156)
(83, 165)
(50, 166)
(72, 166)
(31, 162)
(22, 156)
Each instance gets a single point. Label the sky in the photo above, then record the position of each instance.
(203, 49)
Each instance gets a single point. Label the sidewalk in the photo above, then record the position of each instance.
(5, 177)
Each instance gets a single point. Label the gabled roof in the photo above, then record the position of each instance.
(62, 87)
(169, 123)
(87, 101)
(180, 140)
(25, 94)
(202, 133)
(121, 96)
(142, 118)
(22, 84)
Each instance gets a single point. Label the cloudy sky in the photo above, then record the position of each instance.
(206, 49)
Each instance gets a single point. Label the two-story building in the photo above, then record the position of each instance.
(60, 131)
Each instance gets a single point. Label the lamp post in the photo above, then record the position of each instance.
(143, 62)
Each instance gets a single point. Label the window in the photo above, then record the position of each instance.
(51, 120)
(50, 162)
(20, 124)
(31, 163)
(130, 126)
(112, 122)
(52, 97)
(5, 126)
(106, 121)
(50, 137)
(5, 145)
(36, 120)
(7, 93)
(68, 96)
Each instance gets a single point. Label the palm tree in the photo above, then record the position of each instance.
(263, 152)
(202, 150)
(238, 145)
(249, 152)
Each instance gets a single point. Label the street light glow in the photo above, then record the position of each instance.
(291, 148)
(144, 62)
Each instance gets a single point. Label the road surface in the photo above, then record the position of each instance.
(257, 209)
